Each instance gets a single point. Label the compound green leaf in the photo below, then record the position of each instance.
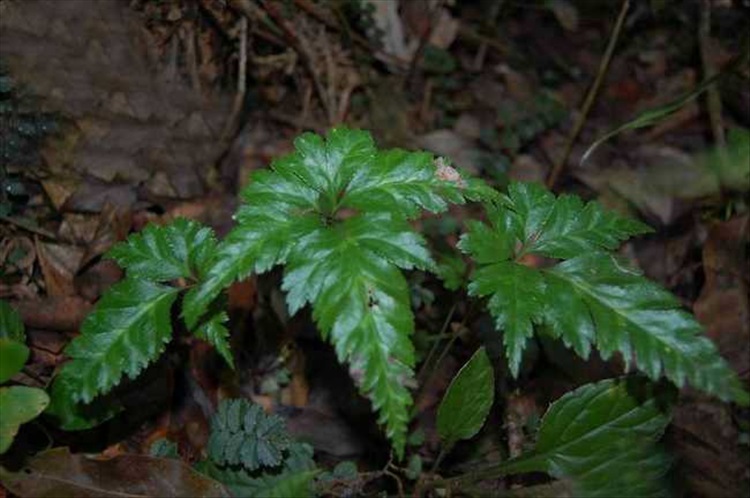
(634, 316)
(335, 212)
(468, 400)
(127, 330)
(350, 274)
(590, 299)
(242, 434)
(11, 326)
(516, 302)
(215, 332)
(181, 249)
(564, 227)
(602, 437)
(13, 356)
(18, 405)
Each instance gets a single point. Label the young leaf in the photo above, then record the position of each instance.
(590, 299)
(128, 330)
(468, 400)
(11, 326)
(336, 211)
(162, 253)
(18, 405)
(603, 439)
(242, 434)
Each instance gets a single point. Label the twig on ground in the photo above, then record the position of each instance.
(434, 348)
(28, 227)
(299, 123)
(433, 16)
(315, 12)
(272, 10)
(713, 99)
(239, 97)
(590, 96)
(188, 35)
(495, 9)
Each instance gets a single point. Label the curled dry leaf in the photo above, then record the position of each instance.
(448, 173)
(59, 265)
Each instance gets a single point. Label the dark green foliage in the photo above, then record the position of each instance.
(242, 434)
(602, 438)
(132, 322)
(18, 404)
(11, 326)
(468, 400)
(252, 454)
(128, 330)
(592, 298)
(182, 249)
(336, 213)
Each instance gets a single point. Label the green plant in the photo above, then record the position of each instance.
(18, 404)
(252, 454)
(592, 297)
(599, 440)
(336, 215)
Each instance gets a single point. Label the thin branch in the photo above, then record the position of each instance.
(239, 97)
(21, 223)
(713, 99)
(590, 96)
(272, 10)
(434, 348)
(315, 12)
(434, 15)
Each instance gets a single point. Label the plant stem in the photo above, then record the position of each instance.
(590, 96)
(435, 344)
(444, 450)
(530, 463)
